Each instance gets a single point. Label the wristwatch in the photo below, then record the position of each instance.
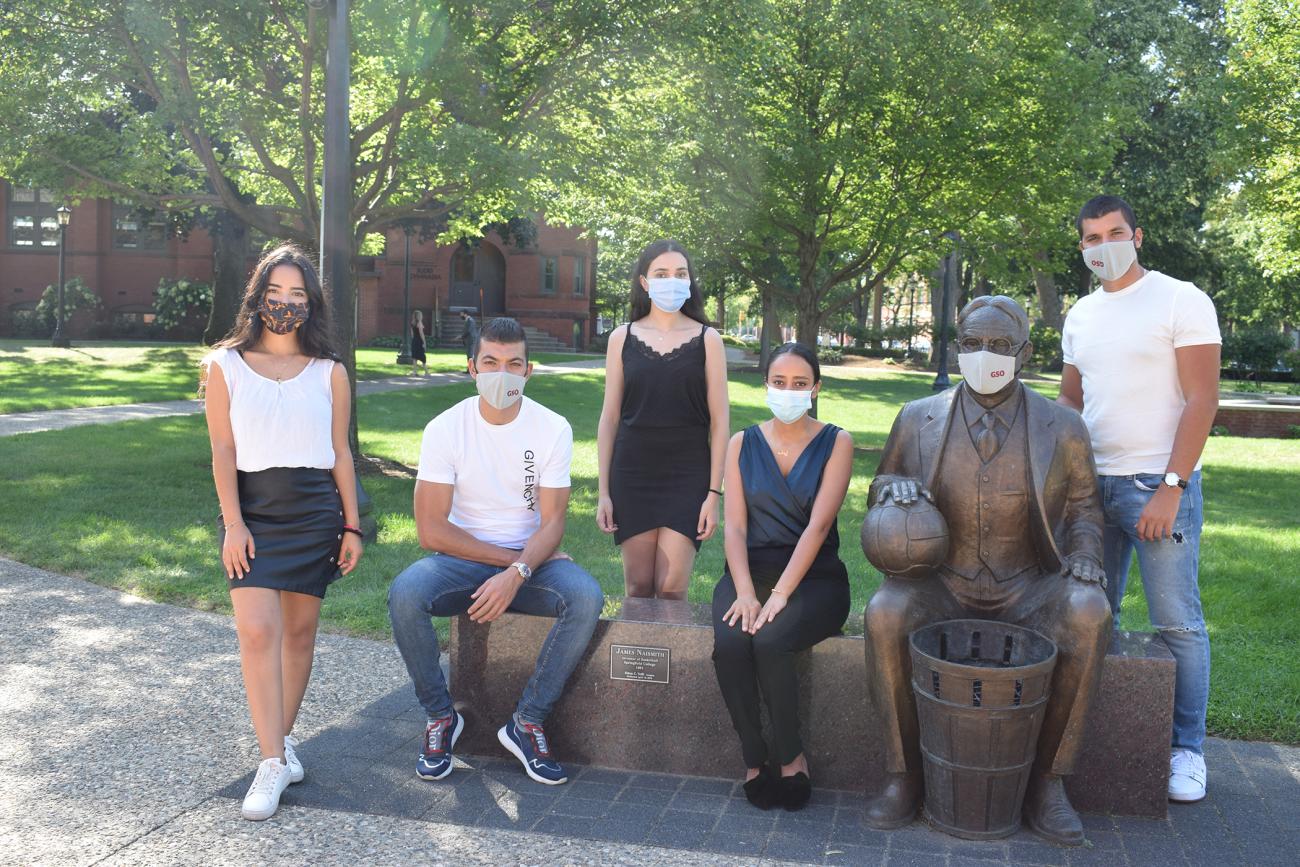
(1174, 481)
(524, 571)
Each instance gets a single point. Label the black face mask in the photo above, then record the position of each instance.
(282, 317)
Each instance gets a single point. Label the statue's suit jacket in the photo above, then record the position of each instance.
(1066, 508)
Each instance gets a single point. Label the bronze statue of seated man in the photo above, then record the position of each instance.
(1012, 473)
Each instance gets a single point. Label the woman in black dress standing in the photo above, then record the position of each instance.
(278, 407)
(663, 428)
(785, 587)
(417, 343)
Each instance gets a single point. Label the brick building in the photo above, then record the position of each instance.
(547, 285)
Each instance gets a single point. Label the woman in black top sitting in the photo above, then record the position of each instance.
(785, 587)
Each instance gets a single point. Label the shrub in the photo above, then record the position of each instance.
(1293, 431)
(1047, 347)
(76, 296)
(386, 341)
(732, 340)
(830, 355)
(1257, 348)
(1219, 431)
(179, 303)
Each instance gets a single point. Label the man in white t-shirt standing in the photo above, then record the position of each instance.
(490, 500)
(1142, 366)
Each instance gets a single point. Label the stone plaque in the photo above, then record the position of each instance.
(645, 664)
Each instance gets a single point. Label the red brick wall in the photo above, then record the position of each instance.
(1251, 421)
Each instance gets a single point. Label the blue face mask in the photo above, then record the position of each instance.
(669, 293)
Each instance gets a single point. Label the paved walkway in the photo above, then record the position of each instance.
(57, 419)
(124, 739)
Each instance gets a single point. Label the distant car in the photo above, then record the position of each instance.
(749, 338)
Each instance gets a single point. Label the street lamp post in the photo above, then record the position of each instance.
(404, 357)
(949, 286)
(65, 216)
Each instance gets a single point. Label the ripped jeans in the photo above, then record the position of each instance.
(1169, 577)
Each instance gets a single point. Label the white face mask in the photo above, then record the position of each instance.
(788, 404)
(987, 372)
(669, 293)
(500, 388)
(1111, 260)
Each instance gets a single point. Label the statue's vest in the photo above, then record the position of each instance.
(987, 507)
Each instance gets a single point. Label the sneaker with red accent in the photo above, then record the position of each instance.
(440, 736)
(527, 742)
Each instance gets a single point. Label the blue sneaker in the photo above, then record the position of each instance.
(527, 742)
(440, 737)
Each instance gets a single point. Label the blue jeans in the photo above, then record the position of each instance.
(440, 586)
(1169, 578)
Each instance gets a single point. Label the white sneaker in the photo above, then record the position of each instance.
(296, 773)
(1187, 776)
(263, 797)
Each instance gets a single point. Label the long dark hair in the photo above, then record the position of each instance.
(694, 306)
(313, 336)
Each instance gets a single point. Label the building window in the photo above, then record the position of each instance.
(136, 228)
(548, 275)
(32, 221)
(462, 266)
(579, 276)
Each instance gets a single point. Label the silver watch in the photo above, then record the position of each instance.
(1173, 480)
(524, 571)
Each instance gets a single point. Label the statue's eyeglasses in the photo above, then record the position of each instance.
(998, 345)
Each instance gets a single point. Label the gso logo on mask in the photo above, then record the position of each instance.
(997, 374)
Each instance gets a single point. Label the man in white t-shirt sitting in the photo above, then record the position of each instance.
(1142, 365)
(490, 500)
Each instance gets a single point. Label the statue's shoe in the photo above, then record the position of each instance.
(1049, 814)
(897, 803)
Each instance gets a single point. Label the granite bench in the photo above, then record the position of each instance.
(617, 712)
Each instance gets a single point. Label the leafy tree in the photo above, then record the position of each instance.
(1264, 70)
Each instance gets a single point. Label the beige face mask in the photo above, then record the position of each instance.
(1110, 260)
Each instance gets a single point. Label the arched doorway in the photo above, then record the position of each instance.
(478, 279)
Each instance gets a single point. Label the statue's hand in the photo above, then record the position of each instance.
(1085, 569)
(903, 491)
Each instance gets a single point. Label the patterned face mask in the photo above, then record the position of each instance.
(281, 317)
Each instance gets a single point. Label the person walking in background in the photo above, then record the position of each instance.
(1142, 366)
(278, 407)
(490, 500)
(663, 429)
(470, 335)
(784, 588)
(417, 343)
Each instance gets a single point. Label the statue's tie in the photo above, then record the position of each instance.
(986, 442)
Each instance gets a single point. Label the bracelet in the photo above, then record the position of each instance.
(357, 530)
(233, 523)
(782, 592)
(715, 491)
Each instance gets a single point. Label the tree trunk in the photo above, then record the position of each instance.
(230, 246)
(1049, 297)
(983, 286)
(807, 324)
(722, 305)
(877, 308)
(767, 330)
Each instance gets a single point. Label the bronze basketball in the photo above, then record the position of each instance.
(905, 541)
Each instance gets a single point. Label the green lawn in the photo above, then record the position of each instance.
(141, 517)
(36, 376)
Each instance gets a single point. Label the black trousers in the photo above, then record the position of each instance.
(764, 663)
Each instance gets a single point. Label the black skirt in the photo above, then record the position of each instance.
(659, 477)
(295, 515)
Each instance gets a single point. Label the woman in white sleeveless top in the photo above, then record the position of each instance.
(278, 407)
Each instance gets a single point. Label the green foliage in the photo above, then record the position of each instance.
(1257, 349)
(899, 332)
(1219, 430)
(180, 302)
(733, 340)
(1047, 346)
(76, 296)
(1293, 431)
(829, 355)
(386, 341)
